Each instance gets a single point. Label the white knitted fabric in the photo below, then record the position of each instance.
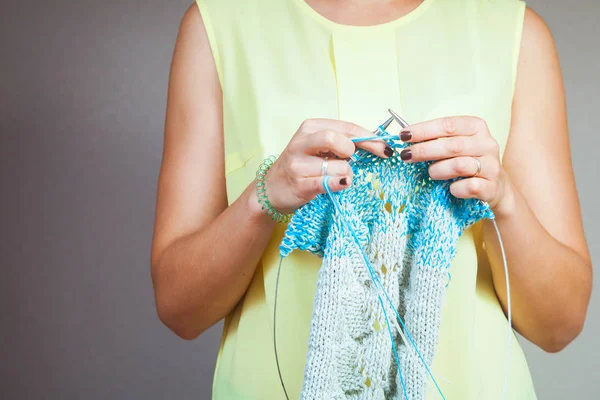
(408, 227)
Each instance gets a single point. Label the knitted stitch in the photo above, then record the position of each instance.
(409, 226)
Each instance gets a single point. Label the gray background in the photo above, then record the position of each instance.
(82, 99)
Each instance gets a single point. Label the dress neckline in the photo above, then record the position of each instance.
(417, 12)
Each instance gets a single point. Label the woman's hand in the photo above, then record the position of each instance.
(296, 177)
(461, 147)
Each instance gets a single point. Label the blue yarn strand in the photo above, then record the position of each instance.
(387, 323)
(364, 139)
(372, 273)
(375, 279)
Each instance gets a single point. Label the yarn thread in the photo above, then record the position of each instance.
(397, 216)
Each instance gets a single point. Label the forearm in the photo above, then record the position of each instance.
(202, 276)
(549, 281)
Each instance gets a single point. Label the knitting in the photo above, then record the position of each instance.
(408, 226)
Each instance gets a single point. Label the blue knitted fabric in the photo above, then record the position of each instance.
(408, 226)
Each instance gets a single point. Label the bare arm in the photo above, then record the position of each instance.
(197, 278)
(540, 220)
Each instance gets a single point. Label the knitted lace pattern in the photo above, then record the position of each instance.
(408, 226)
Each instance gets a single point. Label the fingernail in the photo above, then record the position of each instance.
(406, 155)
(388, 151)
(343, 182)
(405, 136)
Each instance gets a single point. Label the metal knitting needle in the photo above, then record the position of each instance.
(379, 131)
(398, 118)
(384, 126)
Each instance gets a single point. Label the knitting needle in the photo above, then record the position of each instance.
(398, 118)
(379, 131)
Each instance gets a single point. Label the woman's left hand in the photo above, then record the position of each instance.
(461, 147)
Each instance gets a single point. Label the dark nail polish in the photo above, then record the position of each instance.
(406, 154)
(388, 151)
(343, 182)
(405, 136)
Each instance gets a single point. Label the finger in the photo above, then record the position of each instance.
(456, 167)
(322, 124)
(477, 188)
(442, 127)
(351, 130)
(334, 168)
(323, 142)
(310, 166)
(310, 187)
(377, 147)
(443, 148)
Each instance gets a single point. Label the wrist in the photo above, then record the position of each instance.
(254, 208)
(506, 207)
(261, 191)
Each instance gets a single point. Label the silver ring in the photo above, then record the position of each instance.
(478, 167)
(324, 166)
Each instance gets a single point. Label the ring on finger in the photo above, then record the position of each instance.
(478, 167)
(324, 166)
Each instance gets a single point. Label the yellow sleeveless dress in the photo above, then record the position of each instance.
(280, 62)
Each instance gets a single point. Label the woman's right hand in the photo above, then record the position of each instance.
(295, 178)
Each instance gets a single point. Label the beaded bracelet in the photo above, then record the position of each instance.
(261, 191)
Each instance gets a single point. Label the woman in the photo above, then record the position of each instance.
(481, 82)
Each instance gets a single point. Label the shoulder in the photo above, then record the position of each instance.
(226, 17)
(200, 12)
(197, 29)
(536, 39)
(193, 61)
(539, 76)
(539, 92)
(230, 9)
(538, 59)
(192, 22)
